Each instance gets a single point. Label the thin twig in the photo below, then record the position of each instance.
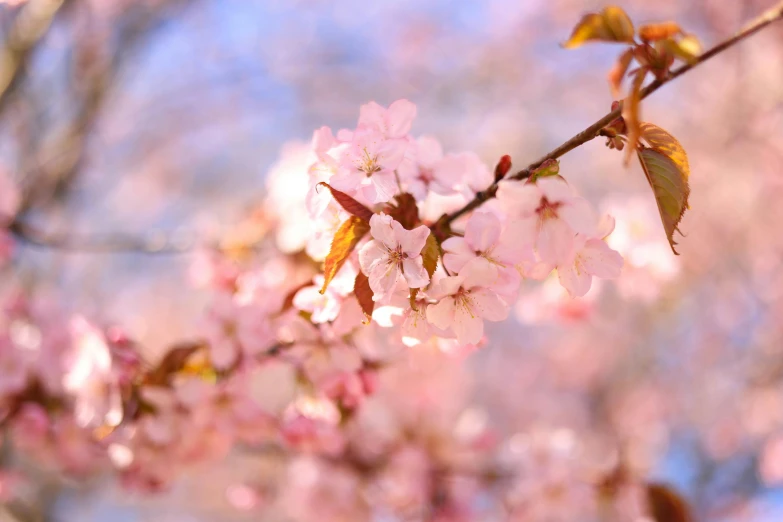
(128, 243)
(768, 17)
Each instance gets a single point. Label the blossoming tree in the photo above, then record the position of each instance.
(335, 344)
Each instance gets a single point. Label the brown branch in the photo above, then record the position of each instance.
(768, 17)
(128, 243)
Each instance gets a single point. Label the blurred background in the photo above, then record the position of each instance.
(156, 122)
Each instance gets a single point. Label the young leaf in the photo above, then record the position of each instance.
(349, 204)
(670, 186)
(174, 361)
(346, 239)
(631, 109)
(405, 211)
(363, 293)
(660, 31)
(659, 139)
(686, 48)
(430, 254)
(610, 25)
(617, 73)
(550, 167)
(666, 505)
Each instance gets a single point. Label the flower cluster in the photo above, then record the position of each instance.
(443, 281)
(305, 355)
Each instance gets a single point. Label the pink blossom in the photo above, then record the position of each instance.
(90, 379)
(466, 300)
(487, 241)
(392, 252)
(326, 307)
(549, 213)
(236, 330)
(588, 258)
(367, 166)
(394, 122)
(426, 170)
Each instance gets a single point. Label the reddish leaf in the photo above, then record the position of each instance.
(288, 302)
(345, 240)
(617, 73)
(666, 505)
(363, 293)
(610, 25)
(174, 361)
(430, 254)
(404, 210)
(349, 204)
(631, 114)
(659, 31)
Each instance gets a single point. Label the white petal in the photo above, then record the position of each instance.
(580, 216)
(456, 253)
(446, 286)
(371, 253)
(385, 186)
(519, 200)
(381, 229)
(441, 314)
(383, 278)
(371, 114)
(600, 260)
(555, 241)
(488, 305)
(414, 272)
(482, 231)
(605, 226)
(574, 279)
(412, 241)
(399, 118)
(468, 326)
(555, 189)
(479, 272)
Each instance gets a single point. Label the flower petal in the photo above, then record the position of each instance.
(488, 305)
(600, 260)
(519, 200)
(479, 273)
(555, 241)
(381, 229)
(383, 278)
(399, 118)
(371, 253)
(385, 186)
(555, 189)
(468, 326)
(456, 253)
(441, 314)
(574, 279)
(414, 272)
(411, 241)
(580, 216)
(482, 231)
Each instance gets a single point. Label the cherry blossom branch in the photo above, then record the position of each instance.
(771, 15)
(112, 243)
